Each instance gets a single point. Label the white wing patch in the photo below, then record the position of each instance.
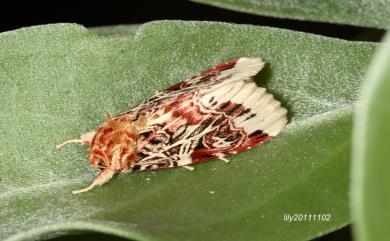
(267, 113)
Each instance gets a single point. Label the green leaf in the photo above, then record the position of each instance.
(125, 29)
(58, 81)
(373, 13)
(371, 202)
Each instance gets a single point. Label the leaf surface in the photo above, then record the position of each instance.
(124, 29)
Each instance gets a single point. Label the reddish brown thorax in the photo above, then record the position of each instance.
(114, 145)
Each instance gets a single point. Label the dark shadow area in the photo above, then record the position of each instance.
(344, 234)
(117, 12)
(89, 237)
(262, 79)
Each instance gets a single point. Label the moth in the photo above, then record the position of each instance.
(211, 115)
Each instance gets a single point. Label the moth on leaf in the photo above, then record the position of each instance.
(214, 114)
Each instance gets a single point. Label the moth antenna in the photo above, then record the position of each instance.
(85, 139)
(103, 177)
(68, 142)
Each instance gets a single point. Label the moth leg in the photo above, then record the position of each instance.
(189, 168)
(85, 139)
(224, 159)
(103, 177)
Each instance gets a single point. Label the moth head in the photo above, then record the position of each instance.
(114, 145)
